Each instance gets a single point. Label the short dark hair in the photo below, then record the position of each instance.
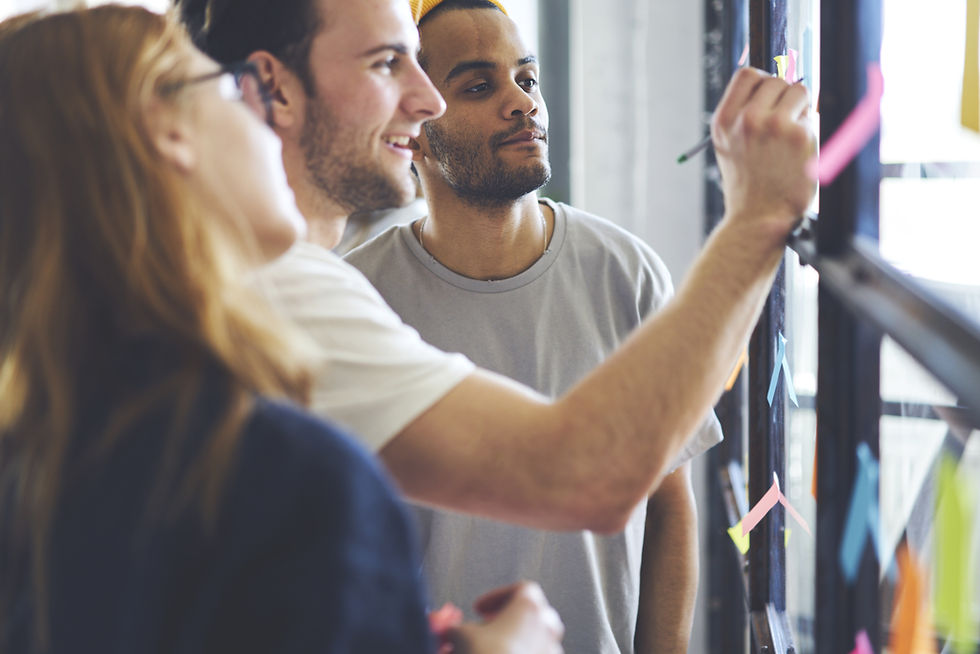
(447, 5)
(231, 30)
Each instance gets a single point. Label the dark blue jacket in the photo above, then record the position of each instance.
(311, 551)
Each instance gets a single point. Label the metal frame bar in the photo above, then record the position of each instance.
(725, 36)
(767, 555)
(849, 348)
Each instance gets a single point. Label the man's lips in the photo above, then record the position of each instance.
(526, 136)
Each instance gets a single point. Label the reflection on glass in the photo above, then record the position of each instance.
(921, 424)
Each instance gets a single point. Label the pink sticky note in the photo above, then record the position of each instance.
(791, 58)
(745, 55)
(853, 133)
(793, 512)
(761, 508)
(862, 644)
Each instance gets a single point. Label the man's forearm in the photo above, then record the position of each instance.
(584, 461)
(669, 574)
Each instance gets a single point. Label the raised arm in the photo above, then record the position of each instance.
(587, 459)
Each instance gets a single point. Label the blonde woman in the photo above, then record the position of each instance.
(158, 491)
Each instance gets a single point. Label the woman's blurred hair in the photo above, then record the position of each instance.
(103, 244)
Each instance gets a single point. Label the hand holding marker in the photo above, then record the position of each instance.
(706, 141)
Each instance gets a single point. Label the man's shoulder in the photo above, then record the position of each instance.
(587, 231)
(380, 248)
(590, 225)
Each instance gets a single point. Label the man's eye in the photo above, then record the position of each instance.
(388, 63)
(478, 88)
(530, 83)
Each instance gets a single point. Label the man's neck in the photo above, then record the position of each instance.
(483, 242)
(325, 219)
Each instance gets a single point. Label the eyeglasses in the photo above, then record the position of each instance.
(240, 82)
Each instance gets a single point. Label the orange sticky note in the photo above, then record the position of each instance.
(730, 384)
(912, 631)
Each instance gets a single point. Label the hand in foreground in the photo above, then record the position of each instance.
(763, 141)
(517, 618)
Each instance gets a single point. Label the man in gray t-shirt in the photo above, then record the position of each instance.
(542, 293)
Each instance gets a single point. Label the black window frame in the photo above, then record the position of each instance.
(861, 298)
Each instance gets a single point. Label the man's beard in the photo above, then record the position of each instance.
(333, 165)
(486, 181)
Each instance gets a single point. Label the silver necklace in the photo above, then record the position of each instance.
(544, 233)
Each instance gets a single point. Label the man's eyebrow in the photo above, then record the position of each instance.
(400, 48)
(479, 64)
(467, 66)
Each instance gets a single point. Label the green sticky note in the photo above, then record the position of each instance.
(741, 542)
(955, 583)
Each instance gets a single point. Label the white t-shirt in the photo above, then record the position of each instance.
(374, 374)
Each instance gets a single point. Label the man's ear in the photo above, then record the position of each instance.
(171, 135)
(283, 86)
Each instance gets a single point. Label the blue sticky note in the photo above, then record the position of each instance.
(863, 517)
(782, 363)
(780, 357)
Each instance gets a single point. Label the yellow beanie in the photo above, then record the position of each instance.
(421, 7)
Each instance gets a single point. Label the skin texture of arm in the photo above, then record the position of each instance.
(669, 572)
(587, 459)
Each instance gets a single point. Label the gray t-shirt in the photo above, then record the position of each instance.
(545, 327)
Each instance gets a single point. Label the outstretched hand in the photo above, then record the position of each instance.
(517, 618)
(762, 141)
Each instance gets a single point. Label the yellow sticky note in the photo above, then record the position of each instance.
(741, 542)
(955, 583)
(780, 65)
(970, 113)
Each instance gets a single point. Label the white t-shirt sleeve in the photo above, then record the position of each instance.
(373, 374)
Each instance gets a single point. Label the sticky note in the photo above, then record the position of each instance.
(862, 644)
(970, 112)
(781, 364)
(741, 540)
(911, 626)
(730, 384)
(856, 130)
(780, 66)
(813, 478)
(745, 56)
(863, 518)
(955, 582)
(762, 507)
(772, 497)
(786, 65)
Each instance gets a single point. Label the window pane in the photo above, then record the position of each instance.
(920, 425)
(801, 434)
(922, 60)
